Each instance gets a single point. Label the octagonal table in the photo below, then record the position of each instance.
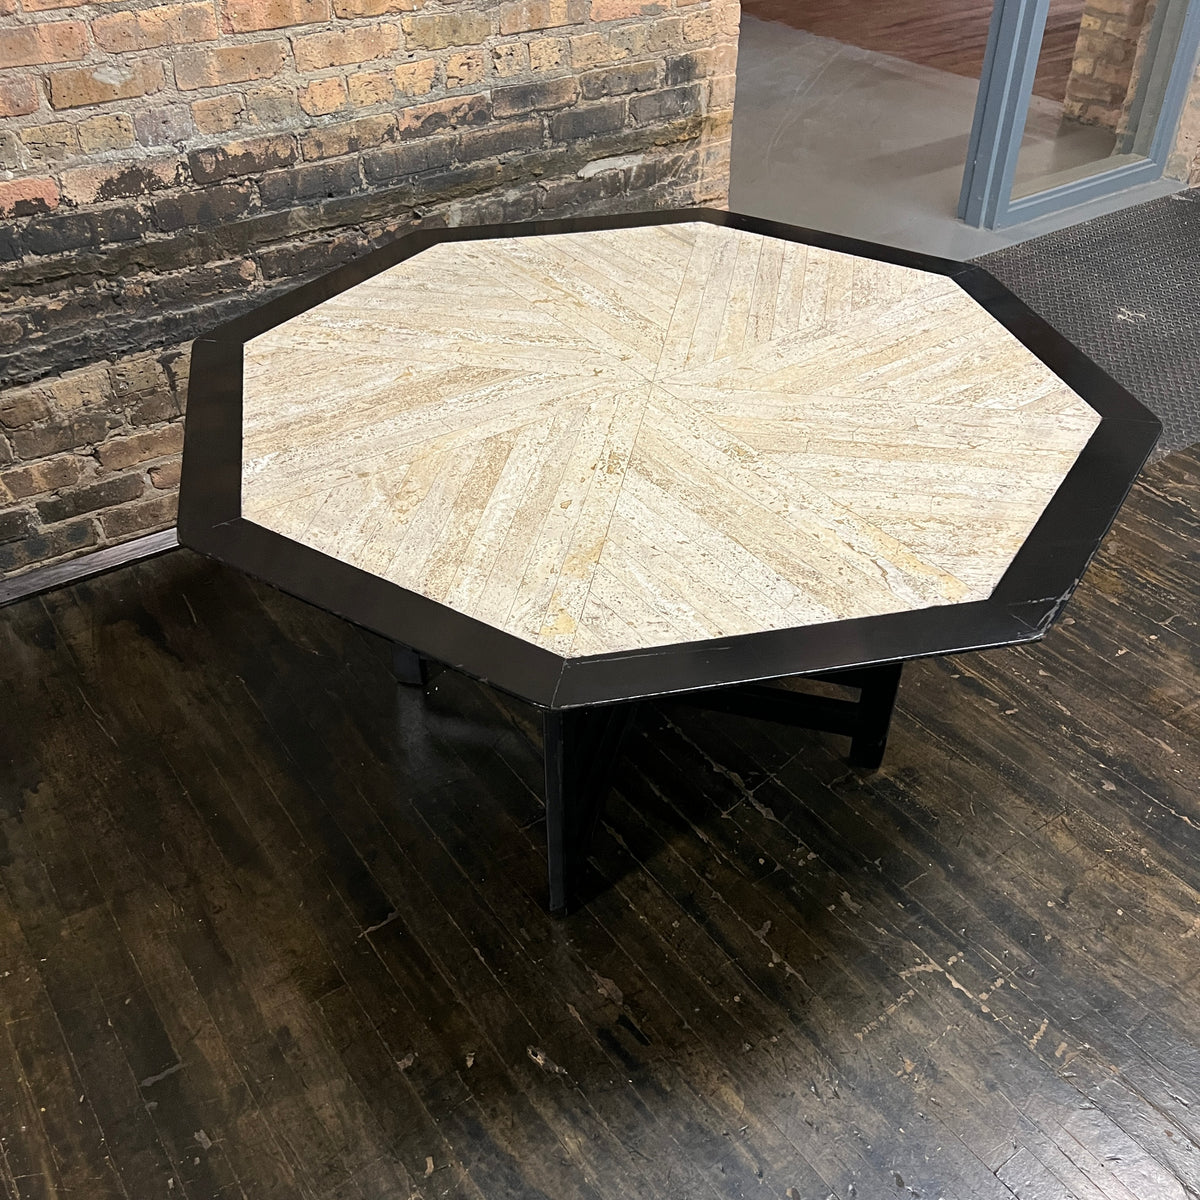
(684, 453)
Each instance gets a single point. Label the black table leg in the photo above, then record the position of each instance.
(409, 667)
(581, 748)
(873, 718)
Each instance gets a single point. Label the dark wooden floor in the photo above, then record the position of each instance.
(949, 35)
(271, 927)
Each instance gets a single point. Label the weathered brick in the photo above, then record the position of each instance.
(60, 234)
(17, 97)
(411, 158)
(155, 513)
(665, 105)
(250, 156)
(317, 51)
(38, 478)
(349, 9)
(118, 224)
(14, 525)
(547, 54)
(415, 78)
(349, 137)
(63, 433)
(588, 120)
(117, 453)
(39, 45)
(27, 197)
(420, 120)
(166, 25)
(20, 407)
(510, 58)
(49, 545)
(528, 97)
(309, 258)
(106, 132)
(336, 178)
(51, 143)
(367, 88)
(202, 208)
(497, 139)
(169, 125)
(92, 185)
(323, 96)
(618, 81)
(248, 16)
(218, 114)
(89, 497)
(222, 65)
(465, 68)
(436, 31)
(166, 477)
(619, 10)
(273, 105)
(80, 86)
(525, 16)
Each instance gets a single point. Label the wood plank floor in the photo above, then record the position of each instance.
(272, 927)
(949, 35)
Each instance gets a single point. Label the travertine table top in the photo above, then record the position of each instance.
(622, 439)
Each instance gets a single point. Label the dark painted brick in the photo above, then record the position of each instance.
(120, 489)
(119, 224)
(10, 244)
(500, 139)
(209, 206)
(59, 234)
(49, 544)
(397, 162)
(14, 525)
(684, 68)
(319, 179)
(588, 120)
(662, 106)
(249, 157)
(66, 434)
(617, 81)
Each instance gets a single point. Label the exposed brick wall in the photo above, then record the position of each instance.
(1184, 162)
(164, 166)
(90, 458)
(1103, 67)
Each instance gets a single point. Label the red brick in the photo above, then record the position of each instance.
(28, 197)
(420, 120)
(616, 10)
(128, 519)
(43, 5)
(88, 185)
(82, 86)
(323, 96)
(120, 452)
(415, 78)
(320, 50)
(166, 477)
(439, 30)
(370, 87)
(349, 137)
(348, 9)
(36, 45)
(526, 15)
(17, 97)
(246, 16)
(223, 65)
(167, 25)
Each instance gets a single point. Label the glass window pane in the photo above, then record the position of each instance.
(1098, 90)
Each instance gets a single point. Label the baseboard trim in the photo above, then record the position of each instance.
(43, 579)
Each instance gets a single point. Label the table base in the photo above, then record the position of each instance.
(582, 746)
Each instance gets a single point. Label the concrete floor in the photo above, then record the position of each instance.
(850, 141)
